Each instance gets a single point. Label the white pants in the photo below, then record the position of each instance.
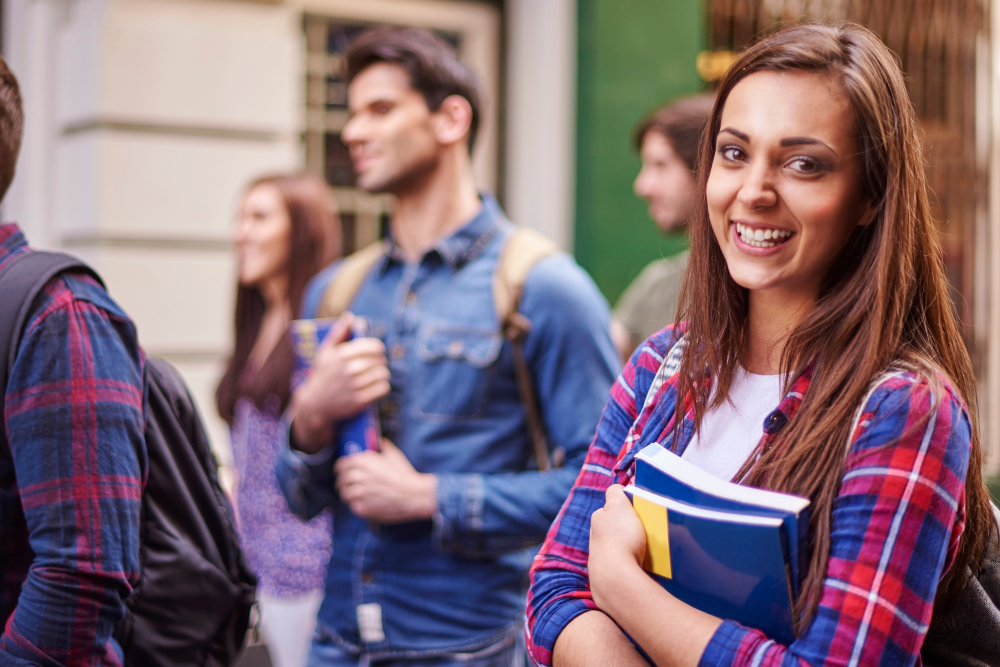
(287, 626)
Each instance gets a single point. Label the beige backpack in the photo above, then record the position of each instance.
(522, 251)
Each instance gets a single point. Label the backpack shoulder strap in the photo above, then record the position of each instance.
(350, 277)
(521, 252)
(21, 280)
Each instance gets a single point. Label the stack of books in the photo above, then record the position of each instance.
(732, 551)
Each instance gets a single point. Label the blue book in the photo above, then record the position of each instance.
(727, 564)
(355, 434)
(664, 473)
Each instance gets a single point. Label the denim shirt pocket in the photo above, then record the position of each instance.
(454, 370)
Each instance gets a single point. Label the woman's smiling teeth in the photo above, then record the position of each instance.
(761, 238)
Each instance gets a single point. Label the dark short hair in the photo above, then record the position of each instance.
(682, 122)
(434, 68)
(11, 125)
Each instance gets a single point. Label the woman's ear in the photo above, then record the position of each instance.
(453, 119)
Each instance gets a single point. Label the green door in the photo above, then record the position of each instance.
(633, 56)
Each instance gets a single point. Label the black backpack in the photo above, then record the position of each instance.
(192, 606)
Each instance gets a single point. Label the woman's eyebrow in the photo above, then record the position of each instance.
(805, 141)
(736, 133)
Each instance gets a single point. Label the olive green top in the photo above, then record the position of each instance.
(649, 303)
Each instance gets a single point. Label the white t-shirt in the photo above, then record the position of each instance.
(730, 431)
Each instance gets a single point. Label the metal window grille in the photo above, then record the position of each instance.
(363, 215)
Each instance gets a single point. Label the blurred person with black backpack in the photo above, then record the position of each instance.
(117, 544)
(288, 229)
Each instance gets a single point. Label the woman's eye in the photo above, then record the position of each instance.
(732, 153)
(805, 165)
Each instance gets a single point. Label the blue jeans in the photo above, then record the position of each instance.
(325, 653)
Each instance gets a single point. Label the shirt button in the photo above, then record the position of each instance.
(367, 577)
(397, 352)
(411, 299)
(775, 421)
(455, 348)
(389, 409)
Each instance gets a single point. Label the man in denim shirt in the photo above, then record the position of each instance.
(431, 533)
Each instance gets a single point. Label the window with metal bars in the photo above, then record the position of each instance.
(363, 215)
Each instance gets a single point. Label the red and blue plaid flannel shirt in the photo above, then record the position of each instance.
(895, 527)
(72, 469)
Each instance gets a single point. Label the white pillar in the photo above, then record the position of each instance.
(144, 121)
(541, 116)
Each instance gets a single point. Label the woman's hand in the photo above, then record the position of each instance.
(617, 545)
(636, 602)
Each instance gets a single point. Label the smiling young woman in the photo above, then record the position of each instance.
(816, 304)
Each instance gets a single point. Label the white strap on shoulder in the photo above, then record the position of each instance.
(670, 366)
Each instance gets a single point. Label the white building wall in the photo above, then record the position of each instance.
(540, 134)
(145, 118)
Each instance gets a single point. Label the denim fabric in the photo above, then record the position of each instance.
(508, 653)
(458, 582)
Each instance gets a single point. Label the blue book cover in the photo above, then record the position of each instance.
(726, 564)
(354, 434)
(659, 470)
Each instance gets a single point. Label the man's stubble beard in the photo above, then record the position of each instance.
(410, 180)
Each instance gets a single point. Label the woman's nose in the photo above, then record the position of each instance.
(240, 233)
(757, 191)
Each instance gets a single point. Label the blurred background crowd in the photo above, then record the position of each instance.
(146, 120)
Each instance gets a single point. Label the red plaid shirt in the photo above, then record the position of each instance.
(895, 527)
(72, 468)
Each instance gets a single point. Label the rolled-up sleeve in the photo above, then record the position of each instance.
(74, 415)
(306, 480)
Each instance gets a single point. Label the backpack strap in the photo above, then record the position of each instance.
(522, 251)
(350, 277)
(21, 280)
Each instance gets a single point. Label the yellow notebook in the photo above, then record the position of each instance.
(654, 520)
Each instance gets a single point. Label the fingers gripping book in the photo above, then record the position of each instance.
(732, 551)
(354, 434)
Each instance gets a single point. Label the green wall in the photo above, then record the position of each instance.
(633, 56)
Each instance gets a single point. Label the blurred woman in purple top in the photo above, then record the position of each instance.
(288, 230)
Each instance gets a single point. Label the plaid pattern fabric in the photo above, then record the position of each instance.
(895, 528)
(72, 469)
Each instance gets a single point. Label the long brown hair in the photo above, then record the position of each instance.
(886, 300)
(315, 241)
